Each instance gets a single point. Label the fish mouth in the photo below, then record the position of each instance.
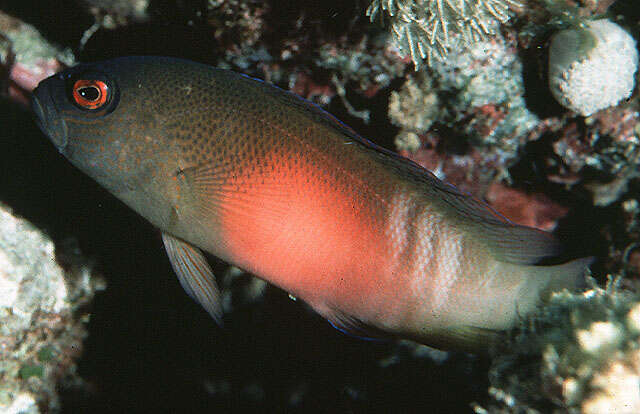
(46, 115)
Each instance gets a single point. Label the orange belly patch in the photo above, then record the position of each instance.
(308, 229)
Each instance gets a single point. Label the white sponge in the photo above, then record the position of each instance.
(592, 67)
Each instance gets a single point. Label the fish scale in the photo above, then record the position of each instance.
(229, 165)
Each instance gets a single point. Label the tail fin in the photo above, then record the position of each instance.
(569, 275)
(539, 282)
(523, 288)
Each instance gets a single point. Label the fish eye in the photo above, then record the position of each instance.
(90, 93)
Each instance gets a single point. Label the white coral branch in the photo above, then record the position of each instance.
(426, 28)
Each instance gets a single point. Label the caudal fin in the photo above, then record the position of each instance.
(570, 275)
(518, 291)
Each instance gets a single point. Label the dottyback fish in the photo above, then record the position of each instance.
(266, 181)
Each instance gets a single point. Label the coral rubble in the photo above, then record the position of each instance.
(26, 58)
(581, 354)
(42, 321)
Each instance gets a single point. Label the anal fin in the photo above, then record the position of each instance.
(194, 274)
(354, 327)
(466, 338)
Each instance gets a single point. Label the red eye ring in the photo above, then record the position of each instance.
(90, 94)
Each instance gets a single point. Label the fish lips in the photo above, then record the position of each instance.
(43, 104)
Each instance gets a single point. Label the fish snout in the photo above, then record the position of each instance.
(47, 117)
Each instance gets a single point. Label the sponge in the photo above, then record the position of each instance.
(592, 67)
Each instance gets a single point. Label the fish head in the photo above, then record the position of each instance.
(103, 118)
(125, 123)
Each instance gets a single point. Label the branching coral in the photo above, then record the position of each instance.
(428, 28)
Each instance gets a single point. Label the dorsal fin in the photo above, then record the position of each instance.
(314, 111)
(518, 244)
(507, 242)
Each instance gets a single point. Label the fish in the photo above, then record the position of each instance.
(231, 166)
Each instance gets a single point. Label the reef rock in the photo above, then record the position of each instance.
(41, 324)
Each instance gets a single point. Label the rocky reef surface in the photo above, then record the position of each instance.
(43, 318)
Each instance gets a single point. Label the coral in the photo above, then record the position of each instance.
(592, 67)
(415, 106)
(42, 325)
(26, 58)
(237, 24)
(533, 210)
(352, 58)
(486, 75)
(610, 146)
(370, 63)
(113, 13)
(477, 132)
(580, 354)
(427, 29)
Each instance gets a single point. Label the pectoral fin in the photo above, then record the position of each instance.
(194, 275)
